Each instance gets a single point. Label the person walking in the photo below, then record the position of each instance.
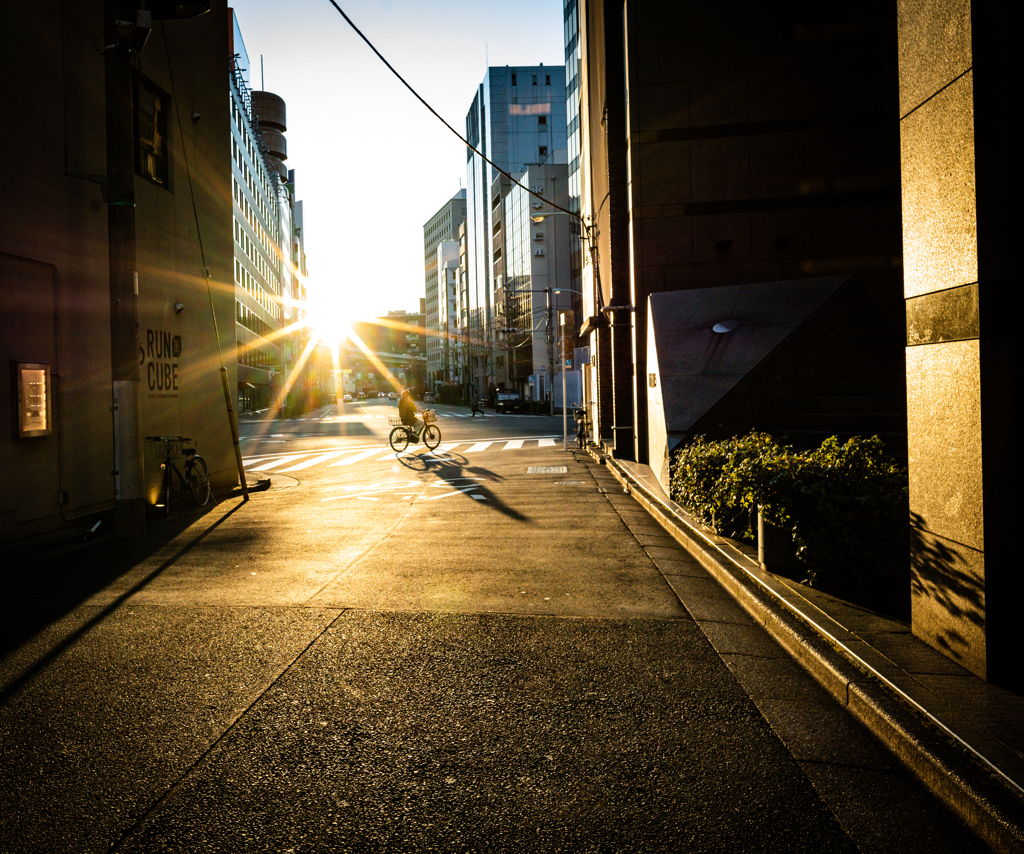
(474, 406)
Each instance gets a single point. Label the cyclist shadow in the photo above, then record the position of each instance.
(454, 467)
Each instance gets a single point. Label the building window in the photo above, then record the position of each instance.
(513, 78)
(543, 151)
(152, 155)
(542, 121)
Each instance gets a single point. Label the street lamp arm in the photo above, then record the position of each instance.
(549, 291)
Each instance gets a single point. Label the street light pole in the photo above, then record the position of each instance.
(547, 292)
(565, 408)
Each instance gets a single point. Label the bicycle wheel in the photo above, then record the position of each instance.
(199, 481)
(431, 436)
(399, 439)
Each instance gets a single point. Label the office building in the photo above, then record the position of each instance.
(531, 263)
(262, 230)
(442, 227)
(517, 119)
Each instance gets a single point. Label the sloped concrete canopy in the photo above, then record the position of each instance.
(776, 370)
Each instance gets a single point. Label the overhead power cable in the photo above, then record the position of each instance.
(434, 112)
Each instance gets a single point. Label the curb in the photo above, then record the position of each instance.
(988, 803)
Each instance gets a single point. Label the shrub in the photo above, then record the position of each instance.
(845, 505)
(721, 482)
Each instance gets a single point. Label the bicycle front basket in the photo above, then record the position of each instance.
(168, 448)
(429, 416)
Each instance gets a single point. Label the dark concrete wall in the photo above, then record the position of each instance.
(761, 148)
(55, 283)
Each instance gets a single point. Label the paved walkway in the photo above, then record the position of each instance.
(963, 737)
(253, 680)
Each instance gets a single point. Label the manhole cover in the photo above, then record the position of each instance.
(547, 470)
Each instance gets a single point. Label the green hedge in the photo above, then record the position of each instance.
(845, 505)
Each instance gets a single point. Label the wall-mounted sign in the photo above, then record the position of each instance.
(160, 355)
(32, 382)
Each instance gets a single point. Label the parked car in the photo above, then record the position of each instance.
(392, 395)
(347, 398)
(428, 398)
(509, 401)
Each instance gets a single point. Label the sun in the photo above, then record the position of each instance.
(327, 316)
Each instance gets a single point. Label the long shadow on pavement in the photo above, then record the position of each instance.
(40, 589)
(454, 467)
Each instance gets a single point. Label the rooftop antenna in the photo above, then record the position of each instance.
(262, 87)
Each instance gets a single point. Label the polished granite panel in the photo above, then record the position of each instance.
(934, 47)
(944, 443)
(940, 227)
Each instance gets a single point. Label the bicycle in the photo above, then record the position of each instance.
(403, 434)
(579, 414)
(196, 478)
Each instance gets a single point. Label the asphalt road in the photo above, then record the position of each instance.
(470, 650)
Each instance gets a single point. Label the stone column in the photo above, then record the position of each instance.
(958, 230)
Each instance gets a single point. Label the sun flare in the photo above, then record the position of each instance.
(327, 317)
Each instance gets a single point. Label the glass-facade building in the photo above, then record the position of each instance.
(517, 119)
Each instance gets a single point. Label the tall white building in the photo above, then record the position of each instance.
(447, 305)
(442, 227)
(517, 120)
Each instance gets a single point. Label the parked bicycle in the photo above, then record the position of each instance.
(579, 414)
(403, 434)
(196, 479)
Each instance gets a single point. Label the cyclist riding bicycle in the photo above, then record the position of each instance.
(407, 411)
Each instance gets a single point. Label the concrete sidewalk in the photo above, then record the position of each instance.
(961, 736)
(211, 663)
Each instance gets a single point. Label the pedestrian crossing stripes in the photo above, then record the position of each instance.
(285, 463)
(369, 416)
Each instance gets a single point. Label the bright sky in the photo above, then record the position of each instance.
(372, 164)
